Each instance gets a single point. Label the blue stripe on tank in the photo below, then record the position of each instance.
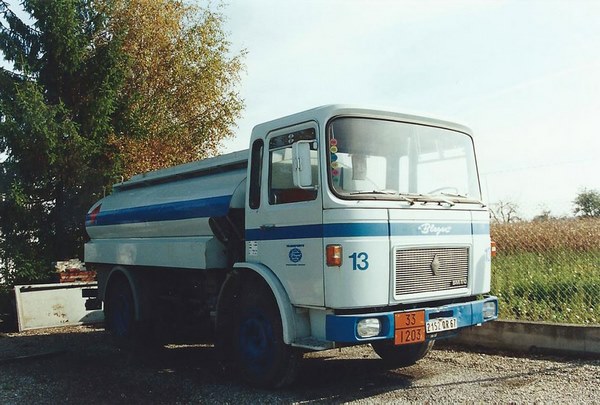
(198, 208)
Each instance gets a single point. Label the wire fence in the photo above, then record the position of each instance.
(548, 270)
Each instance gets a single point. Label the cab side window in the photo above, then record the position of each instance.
(255, 173)
(281, 184)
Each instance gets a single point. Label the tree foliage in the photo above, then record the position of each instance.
(181, 86)
(587, 204)
(100, 89)
(56, 109)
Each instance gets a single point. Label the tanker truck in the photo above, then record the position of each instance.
(338, 226)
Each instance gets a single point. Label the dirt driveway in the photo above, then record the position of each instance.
(79, 365)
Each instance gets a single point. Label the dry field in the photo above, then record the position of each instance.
(575, 235)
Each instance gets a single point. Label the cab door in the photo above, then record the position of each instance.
(283, 222)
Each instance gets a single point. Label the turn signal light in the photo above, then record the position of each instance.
(493, 249)
(334, 255)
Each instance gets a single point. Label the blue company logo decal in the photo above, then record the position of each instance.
(295, 255)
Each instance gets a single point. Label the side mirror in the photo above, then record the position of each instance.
(301, 165)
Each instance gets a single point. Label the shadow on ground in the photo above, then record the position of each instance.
(81, 365)
(84, 366)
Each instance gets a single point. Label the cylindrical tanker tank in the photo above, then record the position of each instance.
(171, 206)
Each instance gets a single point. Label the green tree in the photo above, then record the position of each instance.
(587, 203)
(57, 109)
(100, 89)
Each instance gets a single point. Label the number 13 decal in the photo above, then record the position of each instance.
(360, 260)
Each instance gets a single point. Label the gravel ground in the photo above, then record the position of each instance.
(79, 365)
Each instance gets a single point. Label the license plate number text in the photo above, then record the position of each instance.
(441, 324)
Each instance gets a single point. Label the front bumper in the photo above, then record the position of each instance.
(343, 328)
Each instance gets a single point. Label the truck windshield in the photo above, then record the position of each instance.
(379, 159)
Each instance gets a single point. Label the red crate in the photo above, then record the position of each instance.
(73, 276)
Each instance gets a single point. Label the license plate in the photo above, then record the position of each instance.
(441, 324)
(409, 327)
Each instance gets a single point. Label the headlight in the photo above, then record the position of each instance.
(489, 310)
(368, 327)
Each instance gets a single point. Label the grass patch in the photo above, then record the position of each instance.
(553, 286)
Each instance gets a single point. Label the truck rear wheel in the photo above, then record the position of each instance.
(119, 311)
(262, 357)
(401, 356)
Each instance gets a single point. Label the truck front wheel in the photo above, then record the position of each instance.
(401, 356)
(262, 356)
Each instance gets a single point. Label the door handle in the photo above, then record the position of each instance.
(267, 227)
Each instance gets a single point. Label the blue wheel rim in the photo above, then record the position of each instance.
(121, 314)
(256, 343)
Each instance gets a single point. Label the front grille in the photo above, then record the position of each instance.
(414, 272)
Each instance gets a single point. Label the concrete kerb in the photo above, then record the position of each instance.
(536, 337)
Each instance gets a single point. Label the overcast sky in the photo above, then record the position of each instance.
(524, 75)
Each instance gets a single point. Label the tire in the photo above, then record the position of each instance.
(262, 357)
(401, 356)
(119, 312)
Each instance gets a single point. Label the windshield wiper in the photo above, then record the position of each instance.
(464, 199)
(454, 195)
(424, 198)
(385, 192)
(372, 192)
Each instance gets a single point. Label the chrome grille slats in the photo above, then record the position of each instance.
(414, 274)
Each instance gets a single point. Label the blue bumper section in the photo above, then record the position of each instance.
(342, 328)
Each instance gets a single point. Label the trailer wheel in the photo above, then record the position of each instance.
(119, 311)
(262, 357)
(401, 356)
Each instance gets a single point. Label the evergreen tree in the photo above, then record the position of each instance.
(57, 109)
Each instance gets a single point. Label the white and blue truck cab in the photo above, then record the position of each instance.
(339, 226)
